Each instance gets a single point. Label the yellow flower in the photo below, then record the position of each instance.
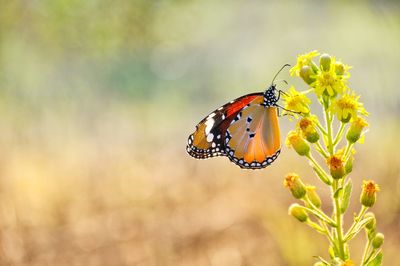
(347, 107)
(296, 101)
(368, 194)
(329, 82)
(303, 60)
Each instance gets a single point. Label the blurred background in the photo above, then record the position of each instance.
(97, 99)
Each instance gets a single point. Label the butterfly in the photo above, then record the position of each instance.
(246, 130)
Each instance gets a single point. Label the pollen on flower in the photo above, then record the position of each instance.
(290, 179)
(335, 162)
(369, 187)
(368, 194)
(296, 101)
(307, 127)
(329, 82)
(303, 60)
(347, 107)
(336, 165)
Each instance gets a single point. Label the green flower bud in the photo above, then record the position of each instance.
(378, 240)
(308, 129)
(295, 140)
(298, 212)
(349, 165)
(340, 68)
(313, 196)
(306, 74)
(356, 127)
(295, 185)
(336, 166)
(325, 62)
(368, 194)
(371, 224)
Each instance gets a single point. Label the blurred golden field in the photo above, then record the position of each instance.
(97, 99)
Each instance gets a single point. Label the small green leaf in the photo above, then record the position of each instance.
(336, 195)
(346, 196)
(377, 261)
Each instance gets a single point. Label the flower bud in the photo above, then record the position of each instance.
(295, 140)
(371, 224)
(295, 185)
(313, 196)
(298, 212)
(378, 240)
(336, 166)
(306, 74)
(325, 62)
(308, 129)
(356, 127)
(340, 68)
(368, 194)
(349, 165)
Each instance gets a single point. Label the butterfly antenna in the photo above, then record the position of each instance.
(285, 65)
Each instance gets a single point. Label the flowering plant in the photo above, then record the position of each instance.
(328, 81)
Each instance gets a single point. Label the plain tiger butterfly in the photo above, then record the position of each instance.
(246, 130)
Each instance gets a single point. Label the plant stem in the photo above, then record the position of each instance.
(339, 134)
(329, 130)
(364, 257)
(321, 150)
(325, 176)
(357, 220)
(338, 217)
(320, 215)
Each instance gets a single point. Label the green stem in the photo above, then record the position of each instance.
(338, 217)
(320, 215)
(316, 227)
(366, 249)
(329, 129)
(328, 233)
(318, 210)
(324, 176)
(321, 150)
(347, 152)
(339, 134)
(323, 131)
(357, 220)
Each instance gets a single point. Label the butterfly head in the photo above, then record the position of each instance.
(270, 97)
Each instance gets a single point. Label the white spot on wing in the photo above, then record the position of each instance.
(209, 124)
(210, 137)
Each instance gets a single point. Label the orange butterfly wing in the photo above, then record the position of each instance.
(253, 137)
(209, 138)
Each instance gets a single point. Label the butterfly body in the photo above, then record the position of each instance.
(246, 130)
